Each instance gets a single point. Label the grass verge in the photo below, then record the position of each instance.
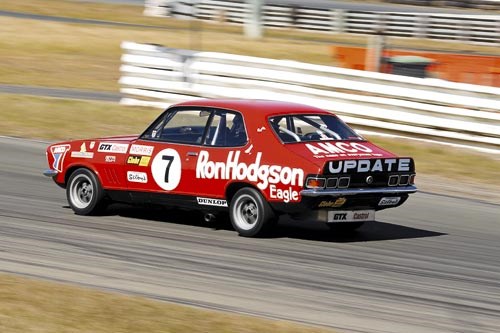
(60, 119)
(38, 306)
(453, 164)
(88, 56)
(134, 14)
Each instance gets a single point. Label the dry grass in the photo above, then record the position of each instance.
(87, 56)
(134, 14)
(61, 119)
(43, 307)
(457, 165)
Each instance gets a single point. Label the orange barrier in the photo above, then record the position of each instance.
(466, 68)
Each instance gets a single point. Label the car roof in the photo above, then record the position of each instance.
(262, 107)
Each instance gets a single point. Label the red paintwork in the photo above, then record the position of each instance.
(112, 168)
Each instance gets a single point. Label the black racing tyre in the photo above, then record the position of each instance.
(250, 214)
(84, 192)
(346, 227)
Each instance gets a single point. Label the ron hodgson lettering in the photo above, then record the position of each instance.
(232, 168)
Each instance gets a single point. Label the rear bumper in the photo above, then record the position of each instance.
(359, 191)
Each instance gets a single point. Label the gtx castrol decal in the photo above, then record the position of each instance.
(351, 216)
(271, 177)
(166, 169)
(110, 147)
(342, 149)
(378, 165)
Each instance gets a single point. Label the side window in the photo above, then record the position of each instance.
(182, 126)
(219, 128)
(227, 129)
(310, 127)
(283, 126)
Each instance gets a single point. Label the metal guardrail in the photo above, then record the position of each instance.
(480, 29)
(157, 76)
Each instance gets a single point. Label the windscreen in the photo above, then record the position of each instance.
(305, 128)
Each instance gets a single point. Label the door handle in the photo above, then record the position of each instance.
(192, 153)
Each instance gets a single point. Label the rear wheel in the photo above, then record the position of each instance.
(84, 192)
(250, 214)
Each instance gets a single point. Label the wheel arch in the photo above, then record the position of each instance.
(234, 187)
(249, 211)
(74, 167)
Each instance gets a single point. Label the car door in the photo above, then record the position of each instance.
(156, 161)
(171, 157)
(209, 164)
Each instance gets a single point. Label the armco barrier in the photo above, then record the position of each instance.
(469, 114)
(482, 29)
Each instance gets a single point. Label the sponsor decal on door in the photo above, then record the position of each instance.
(264, 176)
(137, 177)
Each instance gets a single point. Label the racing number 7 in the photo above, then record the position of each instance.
(167, 169)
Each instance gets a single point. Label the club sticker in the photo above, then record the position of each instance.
(166, 169)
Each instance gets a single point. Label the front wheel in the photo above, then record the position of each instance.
(249, 213)
(84, 192)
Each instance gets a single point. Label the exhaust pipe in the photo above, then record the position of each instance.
(209, 217)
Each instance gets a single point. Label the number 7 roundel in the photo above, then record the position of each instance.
(166, 169)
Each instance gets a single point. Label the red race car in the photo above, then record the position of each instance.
(254, 159)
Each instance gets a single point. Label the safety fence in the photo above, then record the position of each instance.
(481, 29)
(153, 75)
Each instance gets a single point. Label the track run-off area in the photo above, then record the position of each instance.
(432, 265)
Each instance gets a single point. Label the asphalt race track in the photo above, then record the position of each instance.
(432, 265)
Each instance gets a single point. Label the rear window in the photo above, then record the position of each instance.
(305, 128)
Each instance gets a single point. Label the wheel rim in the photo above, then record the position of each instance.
(81, 191)
(246, 212)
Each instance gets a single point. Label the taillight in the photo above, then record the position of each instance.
(401, 180)
(393, 180)
(404, 179)
(332, 182)
(315, 182)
